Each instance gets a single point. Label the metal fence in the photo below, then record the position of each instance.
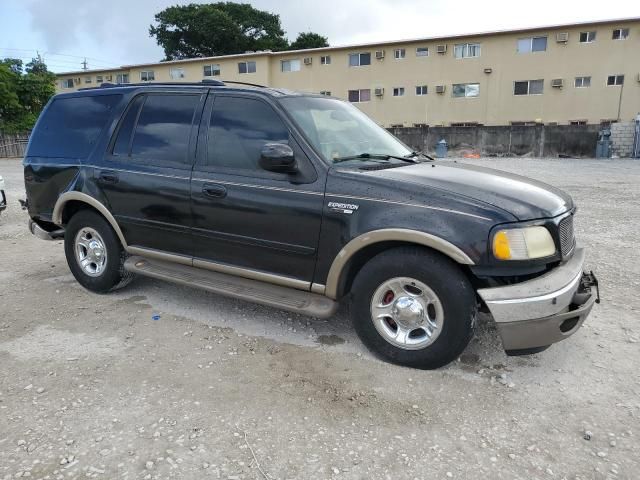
(13, 144)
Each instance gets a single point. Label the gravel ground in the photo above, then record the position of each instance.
(92, 387)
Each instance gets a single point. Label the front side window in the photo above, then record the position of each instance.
(466, 50)
(359, 59)
(398, 92)
(582, 82)
(615, 80)
(338, 129)
(122, 78)
(238, 130)
(164, 127)
(422, 52)
(358, 96)
(290, 65)
(176, 73)
(528, 87)
(211, 70)
(532, 44)
(421, 90)
(620, 34)
(325, 60)
(147, 76)
(466, 89)
(587, 37)
(247, 67)
(400, 53)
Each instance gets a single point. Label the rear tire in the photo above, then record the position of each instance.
(94, 253)
(413, 307)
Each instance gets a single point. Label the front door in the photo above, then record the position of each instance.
(254, 221)
(146, 176)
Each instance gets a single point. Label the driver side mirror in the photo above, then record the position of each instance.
(278, 157)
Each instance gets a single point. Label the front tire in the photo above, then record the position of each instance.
(94, 253)
(413, 307)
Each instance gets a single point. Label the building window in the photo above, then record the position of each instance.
(87, 79)
(400, 53)
(359, 59)
(147, 76)
(290, 65)
(67, 83)
(466, 89)
(582, 82)
(122, 78)
(422, 52)
(587, 37)
(247, 67)
(532, 44)
(325, 92)
(421, 90)
(528, 87)
(398, 92)
(620, 34)
(577, 122)
(523, 124)
(357, 96)
(211, 70)
(466, 50)
(325, 60)
(176, 73)
(615, 80)
(99, 79)
(465, 124)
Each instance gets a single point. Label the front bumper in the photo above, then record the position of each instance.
(534, 314)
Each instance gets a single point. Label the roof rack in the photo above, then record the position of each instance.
(206, 81)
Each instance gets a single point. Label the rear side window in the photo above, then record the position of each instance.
(164, 126)
(239, 128)
(123, 140)
(70, 127)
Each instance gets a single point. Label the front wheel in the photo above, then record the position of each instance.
(414, 307)
(94, 253)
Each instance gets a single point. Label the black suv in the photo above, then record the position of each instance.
(298, 201)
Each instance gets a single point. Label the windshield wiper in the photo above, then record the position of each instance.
(375, 156)
(415, 154)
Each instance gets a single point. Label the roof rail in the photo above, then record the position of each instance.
(206, 81)
(244, 83)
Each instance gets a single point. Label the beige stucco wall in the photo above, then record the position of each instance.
(496, 104)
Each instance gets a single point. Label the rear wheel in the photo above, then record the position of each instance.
(94, 253)
(413, 307)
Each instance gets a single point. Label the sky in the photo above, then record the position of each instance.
(111, 33)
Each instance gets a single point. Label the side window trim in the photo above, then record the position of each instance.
(123, 115)
(135, 124)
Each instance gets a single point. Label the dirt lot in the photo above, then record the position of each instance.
(91, 386)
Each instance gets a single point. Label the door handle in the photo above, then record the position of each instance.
(108, 177)
(214, 191)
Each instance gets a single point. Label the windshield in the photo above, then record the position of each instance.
(338, 130)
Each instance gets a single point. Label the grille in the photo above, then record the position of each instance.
(567, 238)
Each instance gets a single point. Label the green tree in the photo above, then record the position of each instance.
(222, 28)
(308, 40)
(23, 93)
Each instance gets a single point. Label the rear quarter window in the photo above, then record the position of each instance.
(70, 127)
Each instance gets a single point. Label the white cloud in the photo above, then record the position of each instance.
(116, 31)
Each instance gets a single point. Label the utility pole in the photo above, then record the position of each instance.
(84, 64)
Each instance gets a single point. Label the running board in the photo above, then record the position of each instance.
(298, 301)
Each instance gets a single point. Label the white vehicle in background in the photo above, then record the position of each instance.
(3, 197)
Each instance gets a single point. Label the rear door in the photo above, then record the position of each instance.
(146, 174)
(245, 217)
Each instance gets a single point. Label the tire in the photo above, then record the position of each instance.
(104, 271)
(414, 290)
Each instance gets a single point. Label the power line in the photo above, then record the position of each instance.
(46, 53)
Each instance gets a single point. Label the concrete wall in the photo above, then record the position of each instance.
(535, 140)
(622, 137)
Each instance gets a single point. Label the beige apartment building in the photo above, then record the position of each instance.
(579, 73)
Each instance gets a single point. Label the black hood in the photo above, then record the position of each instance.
(523, 197)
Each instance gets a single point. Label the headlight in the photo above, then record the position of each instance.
(523, 243)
